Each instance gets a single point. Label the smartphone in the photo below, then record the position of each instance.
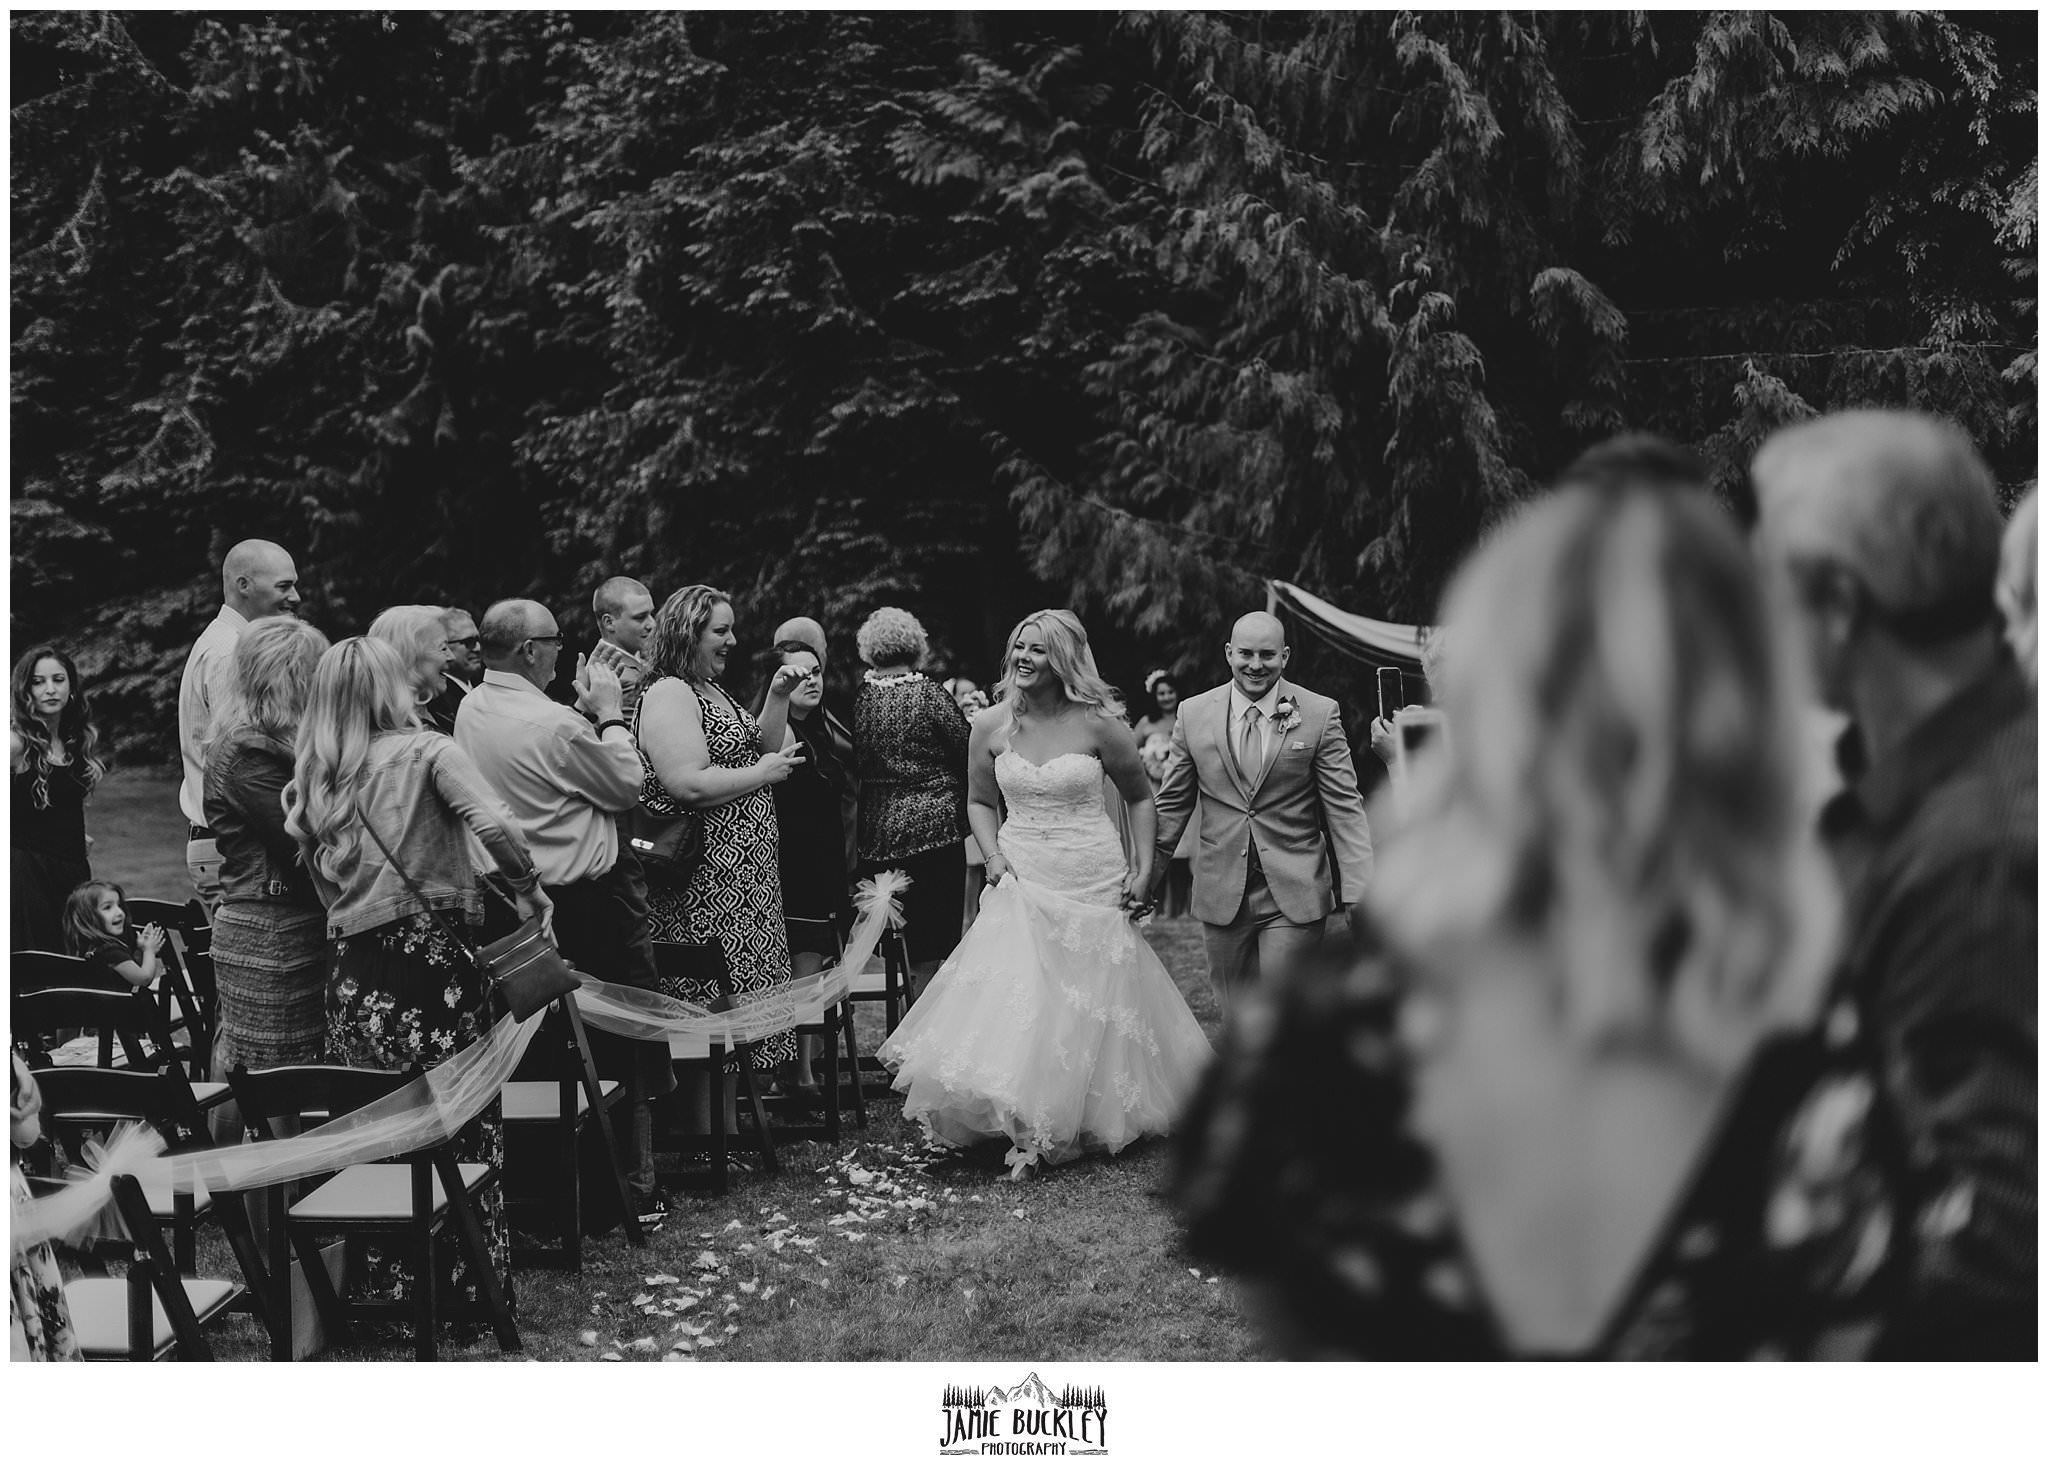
(1393, 695)
(1416, 728)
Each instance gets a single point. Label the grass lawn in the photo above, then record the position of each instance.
(875, 1250)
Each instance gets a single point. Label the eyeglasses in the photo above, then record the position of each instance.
(545, 639)
(472, 642)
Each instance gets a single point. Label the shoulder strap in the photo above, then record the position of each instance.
(392, 859)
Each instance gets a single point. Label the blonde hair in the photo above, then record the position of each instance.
(1068, 655)
(1620, 781)
(892, 636)
(414, 630)
(361, 690)
(274, 662)
(678, 633)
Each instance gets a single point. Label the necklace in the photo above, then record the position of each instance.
(885, 680)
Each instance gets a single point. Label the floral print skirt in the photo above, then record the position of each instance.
(403, 994)
(37, 1325)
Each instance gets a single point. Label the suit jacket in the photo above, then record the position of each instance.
(1302, 812)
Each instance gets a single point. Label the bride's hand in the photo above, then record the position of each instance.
(1138, 892)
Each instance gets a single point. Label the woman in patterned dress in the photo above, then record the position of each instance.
(703, 751)
(401, 990)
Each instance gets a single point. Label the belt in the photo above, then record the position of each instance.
(197, 830)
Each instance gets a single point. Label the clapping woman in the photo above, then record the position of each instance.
(51, 750)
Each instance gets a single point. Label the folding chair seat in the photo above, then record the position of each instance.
(117, 1014)
(151, 1313)
(79, 1103)
(674, 958)
(193, 1010)
(548, 1117)
(412, 1199)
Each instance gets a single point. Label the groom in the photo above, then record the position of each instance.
(1265, 766)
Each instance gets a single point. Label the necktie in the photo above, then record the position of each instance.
(1251, 751)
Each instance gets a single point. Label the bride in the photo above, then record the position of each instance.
(1053, 1024)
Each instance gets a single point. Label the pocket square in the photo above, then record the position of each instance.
(1301, 746)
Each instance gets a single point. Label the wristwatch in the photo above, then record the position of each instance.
(619, 721)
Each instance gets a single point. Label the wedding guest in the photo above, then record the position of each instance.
(970, 697)
(375, 800)
(419, 632)
(707, 754)
(625, 617)
(257, 579)
(565, 782)
(1885, 526)
(809, 825)
(465, 667)
(1553, 1112)
(811, 634)
(1155, 745)
(53, 755)
(911, 742)
(96, 927)
(269, 930)
(38, 1323)
(2016, 586)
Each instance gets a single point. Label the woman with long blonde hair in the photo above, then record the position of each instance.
(1053, 1025)
(376, 799)
(1557, 1108)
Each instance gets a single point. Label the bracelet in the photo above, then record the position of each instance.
(620, 721)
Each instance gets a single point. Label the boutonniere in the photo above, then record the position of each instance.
(1285, 717)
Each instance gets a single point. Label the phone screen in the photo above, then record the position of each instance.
(1392, 695)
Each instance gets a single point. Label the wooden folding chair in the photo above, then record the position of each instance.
(88, 1103)
(833, 1025)
(410, 1199)
(675, 958)
(130, 1018)
(548, 1110)
(193, 1011)
(151, 1313)
(894, 995)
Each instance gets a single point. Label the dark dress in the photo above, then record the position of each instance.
(911, 742)
(734, 899)
(1779, 1245)
(811, 835)
(46, 853)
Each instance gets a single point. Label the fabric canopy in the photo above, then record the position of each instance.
(1369, 639)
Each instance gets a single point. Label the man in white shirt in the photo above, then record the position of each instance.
(565, 781)
(625, 619)
(257, 579)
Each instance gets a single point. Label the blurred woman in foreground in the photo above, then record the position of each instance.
(1575, 1099)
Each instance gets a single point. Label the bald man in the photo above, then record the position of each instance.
(1263, 767)
(257, 579)
(1885, 528)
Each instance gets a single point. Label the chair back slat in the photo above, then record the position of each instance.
(309, 1088)
(29, 972)
(128, 1015)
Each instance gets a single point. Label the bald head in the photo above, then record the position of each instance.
(509, 623)
(1256, 653)
(1900, 501)
(805, 631)
(259, 578)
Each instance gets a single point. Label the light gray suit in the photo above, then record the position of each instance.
(1299, 815)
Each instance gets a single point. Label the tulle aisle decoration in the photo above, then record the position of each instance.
(432, 1108)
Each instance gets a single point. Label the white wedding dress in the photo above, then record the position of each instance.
(1053, 1024)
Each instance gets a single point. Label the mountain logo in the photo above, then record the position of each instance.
(1027, 1419)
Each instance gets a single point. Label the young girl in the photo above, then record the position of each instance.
(96, 927)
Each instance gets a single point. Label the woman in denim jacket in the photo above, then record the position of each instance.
(400, 991)
(270, 929)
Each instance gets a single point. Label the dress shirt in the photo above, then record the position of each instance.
(1268, 706)
(562, 781)
(209, 676)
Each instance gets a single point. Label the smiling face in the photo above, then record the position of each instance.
(271, 586)
(630, 626)
(465, 657)
(805, 697)
(1257, 653)
(111, 914)
(1165, 697)
(717, 643)
(430, 671)
(1029, 666)
(49, 690)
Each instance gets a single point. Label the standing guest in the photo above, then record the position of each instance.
(811, 634)
(257, 579)
(1885, 526)
(565, 782)
(1155, 745)
(970, 697)
(96, 927)
(1577, 1098)
(810, 827)
(911, 741)
(2016, 586)
(625, 617)
(465, 667)
(51, 751)
(704, 752)
(269, 930)
(419, 632)
(367, 777)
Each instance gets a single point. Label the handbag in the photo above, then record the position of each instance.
(526, 967)
(667, 839)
